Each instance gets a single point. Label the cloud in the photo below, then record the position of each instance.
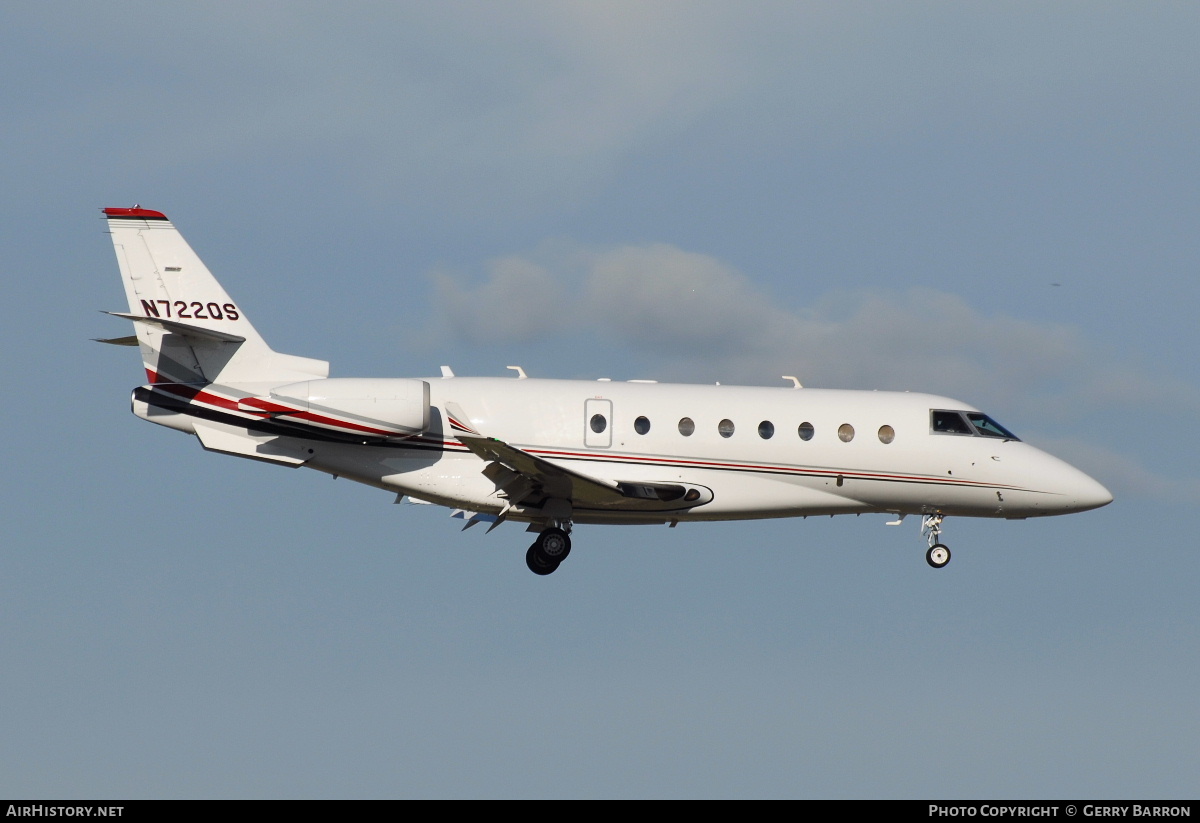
(497, 101)
(468, 111)
(690, 316)
(551, 96)
(679, 303)
(519, 302)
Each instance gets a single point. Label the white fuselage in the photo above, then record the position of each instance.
(750, 475)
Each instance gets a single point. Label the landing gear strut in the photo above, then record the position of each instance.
(551, 548)
(938, 554)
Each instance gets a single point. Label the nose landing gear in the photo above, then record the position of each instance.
(551, 548)
(938, 554)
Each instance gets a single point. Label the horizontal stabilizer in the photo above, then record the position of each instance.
(219, 437)
(185, 329)
(131, 340)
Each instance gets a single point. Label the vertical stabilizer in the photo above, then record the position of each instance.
(189, 330)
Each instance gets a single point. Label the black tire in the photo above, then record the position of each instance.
(537, 563)
(554, 545)
(938, 555)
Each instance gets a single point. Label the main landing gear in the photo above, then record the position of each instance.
(938, 554)
(551, 548)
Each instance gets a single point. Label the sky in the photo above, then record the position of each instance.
(994, 202)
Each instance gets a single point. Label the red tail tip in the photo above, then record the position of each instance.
(136, 211)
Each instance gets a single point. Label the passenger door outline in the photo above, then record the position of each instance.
(597, 439)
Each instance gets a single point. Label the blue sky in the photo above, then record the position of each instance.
(996, 202)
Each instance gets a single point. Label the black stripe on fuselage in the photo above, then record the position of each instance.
(178, 399)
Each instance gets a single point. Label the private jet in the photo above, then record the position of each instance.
(555, 453)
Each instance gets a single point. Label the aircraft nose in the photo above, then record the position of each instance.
(1063, 488)
(1078, 491)
(1086, 494)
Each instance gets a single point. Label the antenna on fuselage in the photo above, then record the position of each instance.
(795, 380)
(520, 372)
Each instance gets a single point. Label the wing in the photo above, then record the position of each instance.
(523, 477)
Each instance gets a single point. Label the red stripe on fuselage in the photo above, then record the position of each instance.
(269, 408)
(760, 467)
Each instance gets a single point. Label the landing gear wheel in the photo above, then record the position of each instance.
(537, 563)
(554, 545)
(938, 555)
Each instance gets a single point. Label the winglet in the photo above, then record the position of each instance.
(459, 422)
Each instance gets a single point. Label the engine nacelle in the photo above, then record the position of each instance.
(391, 405)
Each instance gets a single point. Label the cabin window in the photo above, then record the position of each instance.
(845, 432)
(725, 428)
(766, 430)
(686, 426)
(599, 423)
(641, 425)
(806, 431)
(886, 434)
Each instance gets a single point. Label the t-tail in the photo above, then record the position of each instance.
(188, 329)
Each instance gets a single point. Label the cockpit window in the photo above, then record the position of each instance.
(977, 424)
(950, 422)
(988, 427)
